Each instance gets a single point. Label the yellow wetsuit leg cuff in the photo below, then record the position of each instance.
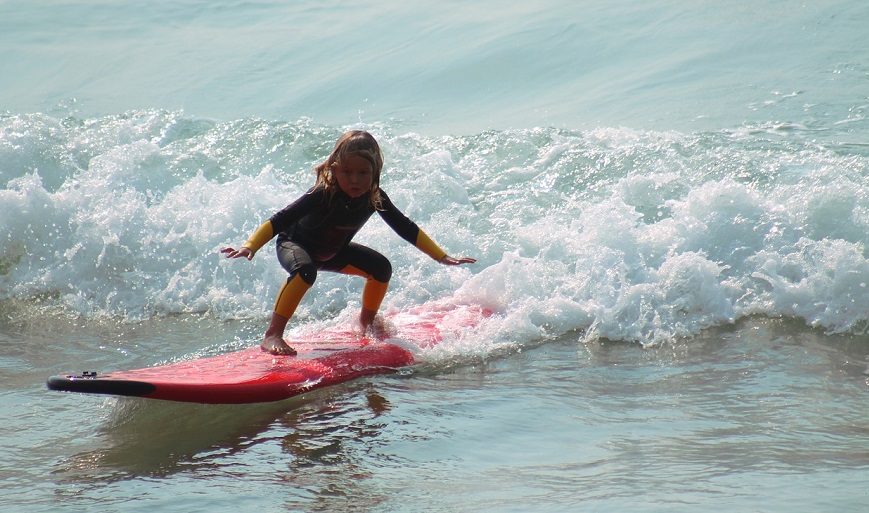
(290, 296)
(373, 294)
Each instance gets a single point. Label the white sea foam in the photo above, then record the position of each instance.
(616, 233)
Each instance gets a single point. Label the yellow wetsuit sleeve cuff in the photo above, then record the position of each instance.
(428, 246)
(260, 237)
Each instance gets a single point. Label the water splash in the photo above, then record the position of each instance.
(614, 233)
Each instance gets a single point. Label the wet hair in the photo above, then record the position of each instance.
(354, 142)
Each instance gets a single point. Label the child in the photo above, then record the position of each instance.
(315, 232)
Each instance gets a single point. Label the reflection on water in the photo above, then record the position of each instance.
(732, 414)
(301, 441)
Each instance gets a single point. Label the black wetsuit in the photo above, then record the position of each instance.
(315, 232)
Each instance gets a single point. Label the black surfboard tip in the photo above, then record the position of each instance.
(91, 383)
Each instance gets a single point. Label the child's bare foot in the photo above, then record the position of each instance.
(366, 318)
(276, 345)
(374, 326)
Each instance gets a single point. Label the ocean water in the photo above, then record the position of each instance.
(668, 201)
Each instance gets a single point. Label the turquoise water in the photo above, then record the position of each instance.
(668, 202)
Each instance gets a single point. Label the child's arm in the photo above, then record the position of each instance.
(275, 224)
(448, 260)
(430, 248)
(409, 231)
(260, 237)
(424, 243)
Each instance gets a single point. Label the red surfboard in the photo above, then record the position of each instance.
(324, 358)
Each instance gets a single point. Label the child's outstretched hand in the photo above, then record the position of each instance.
(237, 253)
(448, 260)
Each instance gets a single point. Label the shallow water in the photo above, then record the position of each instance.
(668, 203)
(765, 415)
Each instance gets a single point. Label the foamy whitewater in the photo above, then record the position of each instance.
(613, 233)
(669, 205)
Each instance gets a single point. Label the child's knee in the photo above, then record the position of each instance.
(383, 273)
(308, 273)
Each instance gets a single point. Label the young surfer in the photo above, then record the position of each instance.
(315, 232)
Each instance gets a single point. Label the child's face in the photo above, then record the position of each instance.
(355, 175)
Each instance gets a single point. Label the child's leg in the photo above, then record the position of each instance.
(288, 300)
(296, 260)
(372, 297)
(359, 260)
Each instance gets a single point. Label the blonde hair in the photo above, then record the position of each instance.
(354, 142)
